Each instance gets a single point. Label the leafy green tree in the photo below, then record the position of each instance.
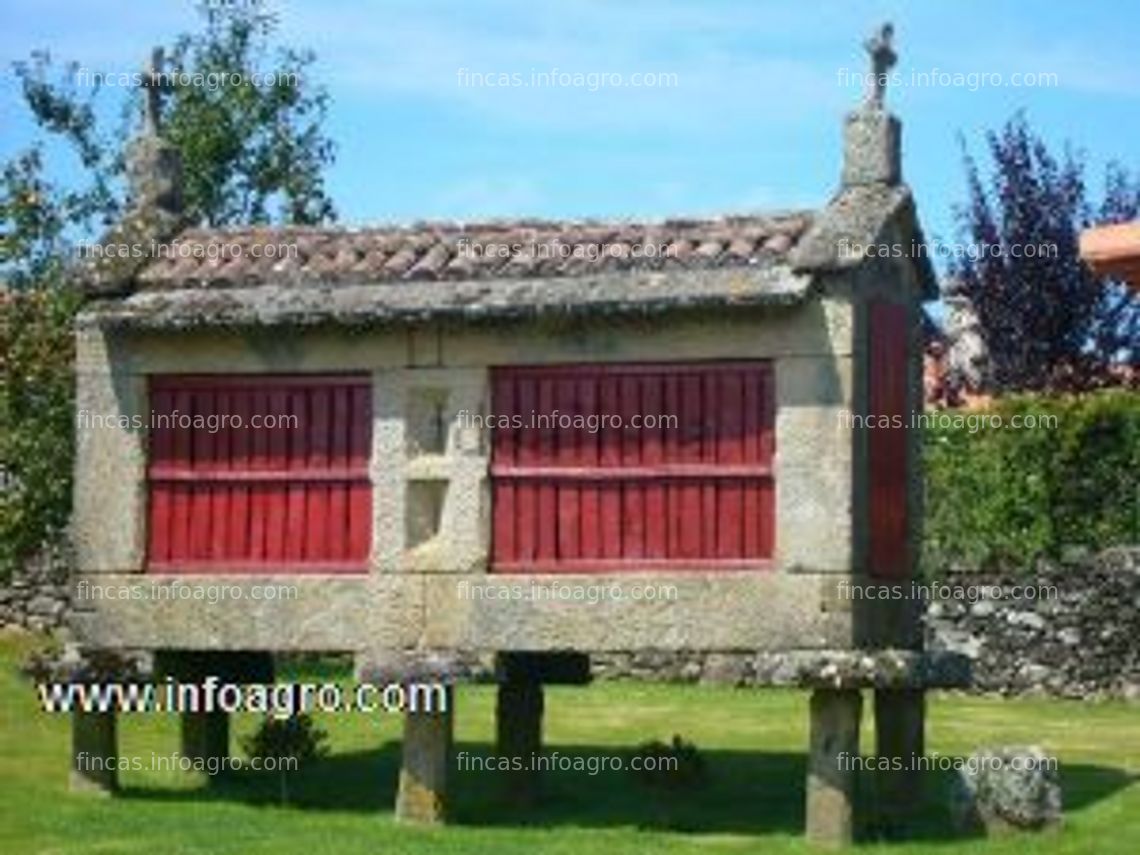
(1047, 319)
(248, 120)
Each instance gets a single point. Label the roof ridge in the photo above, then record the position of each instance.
(504, 224)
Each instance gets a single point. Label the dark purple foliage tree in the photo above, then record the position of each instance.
(1048, 321)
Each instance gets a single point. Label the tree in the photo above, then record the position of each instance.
(1047, 319)
(249, 123)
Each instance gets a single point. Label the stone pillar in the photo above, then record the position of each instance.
(206, 736)
(832, 759)
(518, 730)
(94, 752)
(900, 718)
(872, 148)
(422, 795)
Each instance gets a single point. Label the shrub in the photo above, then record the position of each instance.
(1003, 497)
(675, 765)
(276, 740)
(36, 419)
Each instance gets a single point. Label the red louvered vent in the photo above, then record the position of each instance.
(887, 444)
(577, 490)
(260, 473)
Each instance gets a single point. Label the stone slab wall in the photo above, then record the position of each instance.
(1080, 638)
(38, 598)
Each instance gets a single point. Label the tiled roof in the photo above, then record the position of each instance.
(450, 252)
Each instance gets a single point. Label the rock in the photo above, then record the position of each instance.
(727, 668)
(1069, 636)
(983, 608)
(1031, 620)
(1006, 788)
(957, 641)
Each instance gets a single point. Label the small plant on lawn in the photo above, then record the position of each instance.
(675, 765)
(286, 744)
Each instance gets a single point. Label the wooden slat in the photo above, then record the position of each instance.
(568, 500)
(653, 455)
(609, 456)
(526, 495)
(503, 543)
(633, 498)
(547, 533)
(590, 522)
(697, 493)
(220, 493)
(259, 498)
(360, 494)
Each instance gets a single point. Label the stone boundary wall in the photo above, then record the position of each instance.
(1083, 642)
(37, 598)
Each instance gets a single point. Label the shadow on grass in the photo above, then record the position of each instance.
(742, 792)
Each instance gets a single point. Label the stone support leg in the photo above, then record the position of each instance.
(424, 772)
(94, 752)
(832, 766)
(518, 728)
(900, 718)
(206, 737)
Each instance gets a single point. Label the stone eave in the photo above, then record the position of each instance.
(642, 293)
(860, 216)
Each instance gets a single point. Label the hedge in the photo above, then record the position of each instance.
(1006, 496)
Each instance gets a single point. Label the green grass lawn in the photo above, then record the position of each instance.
(751, 801)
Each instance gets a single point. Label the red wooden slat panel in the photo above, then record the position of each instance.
(653, 455)
(341, 429)
(694, 494)
(228, 495)
(277, 458)
(633, 499)
(547, 533)
(202, 453)
(503, 493)
(710, 441)
(569, 525)
(691, 521)
(589, 510)
(360, 493)
(220, 493)
(161, 500)
(609, 401)
(730, 451)
(887, 446)
(526, 495)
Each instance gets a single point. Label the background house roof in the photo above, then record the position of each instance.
(1113, 251)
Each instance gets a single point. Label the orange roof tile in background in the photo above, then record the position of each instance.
(1113, 251)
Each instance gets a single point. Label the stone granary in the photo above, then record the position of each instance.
(769, 339)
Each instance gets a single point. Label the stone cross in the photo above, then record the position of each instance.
(883, 58)
(155, 86)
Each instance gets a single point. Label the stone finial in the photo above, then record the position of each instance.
(155, 84)
(871, 136)
(883, 59)
(154, 166)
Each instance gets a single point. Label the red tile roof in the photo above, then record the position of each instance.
(446, 251)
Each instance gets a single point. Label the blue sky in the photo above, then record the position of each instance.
(752, 122)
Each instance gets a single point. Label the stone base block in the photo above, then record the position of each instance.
(832, 766)
(424, 773)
